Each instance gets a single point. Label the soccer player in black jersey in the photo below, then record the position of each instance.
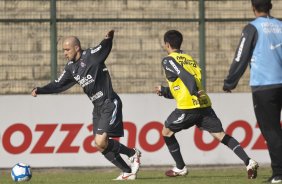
(87, 68)
(193, 106)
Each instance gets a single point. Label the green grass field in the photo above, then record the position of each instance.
(197, 175)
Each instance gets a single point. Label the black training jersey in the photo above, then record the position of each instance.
(90, 72)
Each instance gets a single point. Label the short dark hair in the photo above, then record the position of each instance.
(174, 38)
(262, 5)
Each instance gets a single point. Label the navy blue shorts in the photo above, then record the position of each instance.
(204, 118)
(108, 118)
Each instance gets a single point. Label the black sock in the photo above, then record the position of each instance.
(117, 161)
(234, 145)
(174, 150)
(117, 147)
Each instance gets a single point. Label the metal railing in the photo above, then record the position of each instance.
(32, 30)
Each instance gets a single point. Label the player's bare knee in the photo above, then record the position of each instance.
(218, 135)
(166, 132)
(100, 143)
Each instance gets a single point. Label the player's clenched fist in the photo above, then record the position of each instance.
(110, 34)
(158, 90)
(33, 92)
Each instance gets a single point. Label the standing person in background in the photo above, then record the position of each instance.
(261, 47)
(193, 106)
(87, 68)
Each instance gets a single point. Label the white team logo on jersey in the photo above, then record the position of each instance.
(96, 50)
(174, 66)
(61, 76)
(240, 50)
(84, 81)
(97, 95)
(272, 47)
(82, 64)
(168, 69)
(176, 88)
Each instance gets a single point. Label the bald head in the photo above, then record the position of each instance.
(72, 48)
(72, 41)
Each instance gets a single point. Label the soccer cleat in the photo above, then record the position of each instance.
(252, 169)
(135, 161)
(126, 176)
(275, 179)
(177, 172)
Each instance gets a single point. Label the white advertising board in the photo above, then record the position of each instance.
(56, 131)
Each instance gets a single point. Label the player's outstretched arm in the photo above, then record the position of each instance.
(100, 53)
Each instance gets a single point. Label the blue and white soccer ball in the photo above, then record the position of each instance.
(21, 172)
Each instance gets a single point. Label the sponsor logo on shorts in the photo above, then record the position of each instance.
(114, 115)
(180, 119)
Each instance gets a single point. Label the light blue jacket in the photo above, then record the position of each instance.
(266, 61)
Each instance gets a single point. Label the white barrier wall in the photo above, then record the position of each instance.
(56, 131)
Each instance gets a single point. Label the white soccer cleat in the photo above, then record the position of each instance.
(177, 172)
(252, 168)
(276, 179)
(135, 161)
(126, 176)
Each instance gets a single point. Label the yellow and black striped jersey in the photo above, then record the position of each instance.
(184, 77)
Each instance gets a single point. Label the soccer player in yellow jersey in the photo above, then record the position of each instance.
(193, 106)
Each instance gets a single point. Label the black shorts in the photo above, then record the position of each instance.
(107, 117)
(204, 118)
